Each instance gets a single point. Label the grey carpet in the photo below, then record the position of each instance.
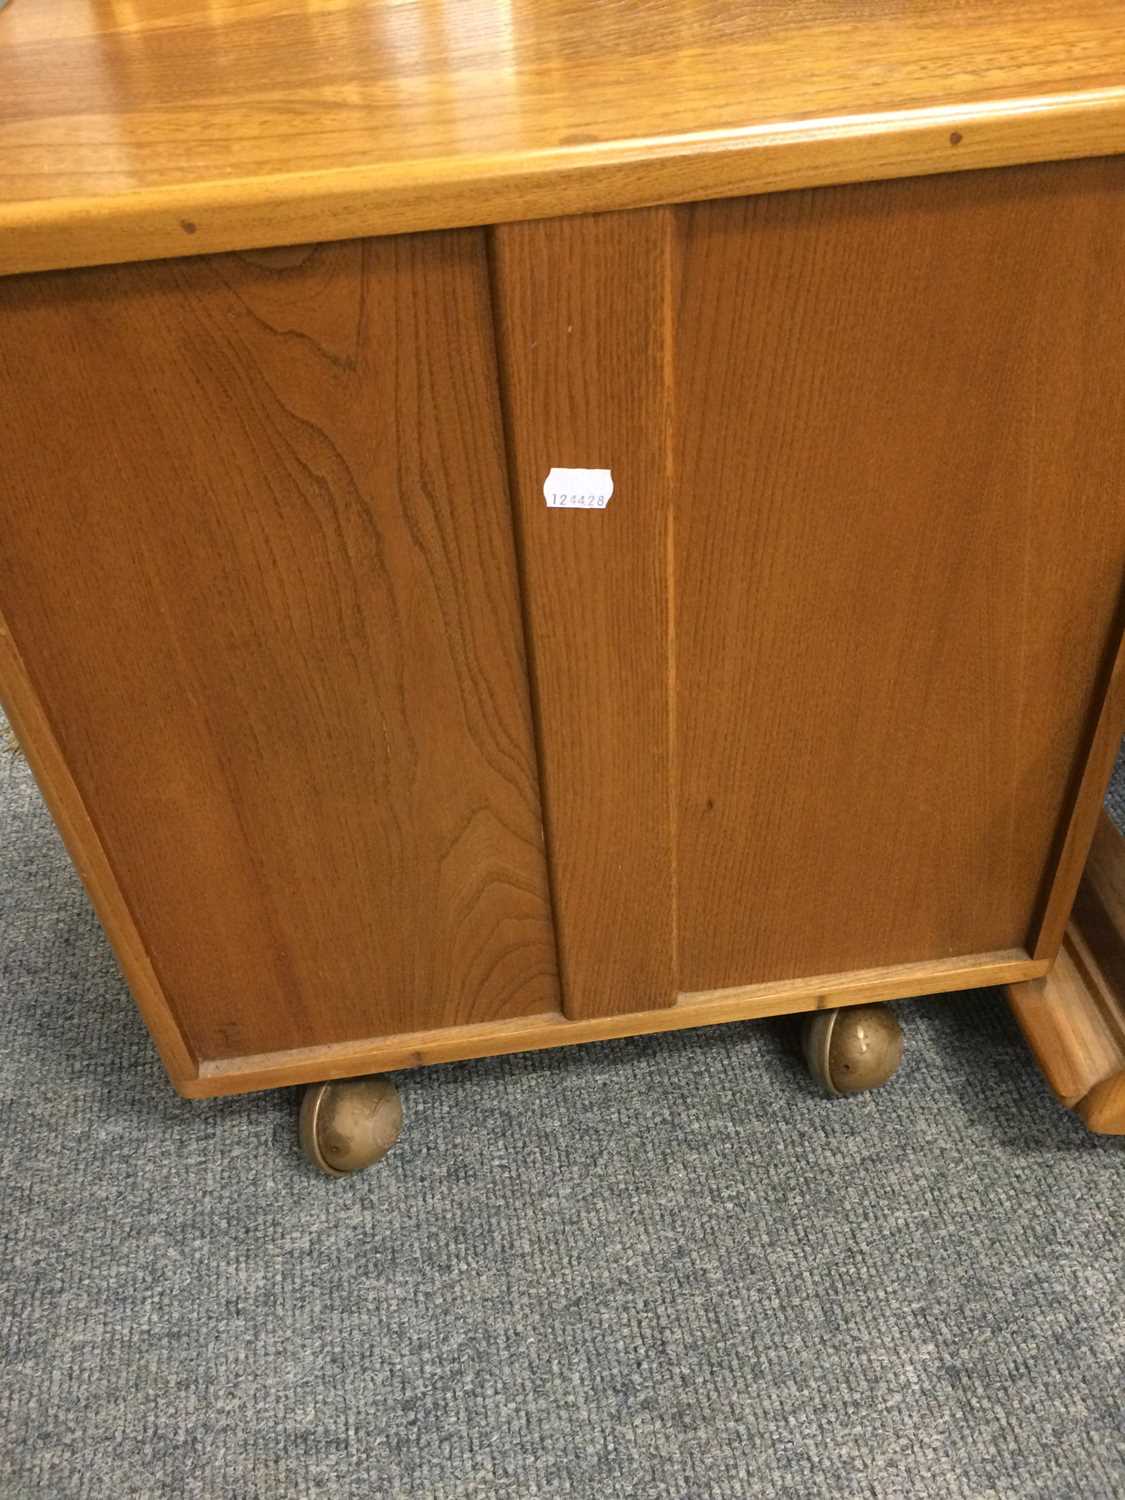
(656, 1269)
(1115, 797)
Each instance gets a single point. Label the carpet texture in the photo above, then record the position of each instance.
(661, 1269)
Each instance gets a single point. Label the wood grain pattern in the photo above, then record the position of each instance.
(858, 581)
(533, 1033)
(815, 694)
(1074, 1017)
(583, 324)
(1064, 1022)
(172, 129)
(900, 556)
(256, 554)
(35, 736)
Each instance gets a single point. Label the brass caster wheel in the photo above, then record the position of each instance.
(349, 1124)
(854, 1048)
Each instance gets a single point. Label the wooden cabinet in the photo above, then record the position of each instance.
(370, 757)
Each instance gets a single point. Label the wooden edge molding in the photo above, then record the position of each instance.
(531, 1033)
(1086, 809)
(36, 737)
(1103, 1109)
(1074, 1017)
(199, 218)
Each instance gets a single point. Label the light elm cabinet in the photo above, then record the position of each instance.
(371, 757)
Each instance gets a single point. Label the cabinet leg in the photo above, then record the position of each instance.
(1074, 1019)
(349, 1124)
(853, 1048)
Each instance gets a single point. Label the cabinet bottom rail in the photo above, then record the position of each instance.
(235, 1075)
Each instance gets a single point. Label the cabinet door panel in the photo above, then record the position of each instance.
(901, 548)
(840, 637)
(256, 554)
(583, 310)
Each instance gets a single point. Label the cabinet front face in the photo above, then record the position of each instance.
(816, 686)
(810, 694)
(256, 556)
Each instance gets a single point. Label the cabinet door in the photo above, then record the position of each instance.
(817, 685)
(257, 571)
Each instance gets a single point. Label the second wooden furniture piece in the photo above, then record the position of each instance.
(527, 524)
(1074, 1017)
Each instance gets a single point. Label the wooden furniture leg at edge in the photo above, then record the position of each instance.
(1074, 1017)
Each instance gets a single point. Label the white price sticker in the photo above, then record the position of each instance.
(578, 489)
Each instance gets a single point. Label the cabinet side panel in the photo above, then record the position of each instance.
(256, 555)
(583, 309)
(900, 547)
(29, 721)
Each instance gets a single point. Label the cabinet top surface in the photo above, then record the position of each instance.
(143, 128)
